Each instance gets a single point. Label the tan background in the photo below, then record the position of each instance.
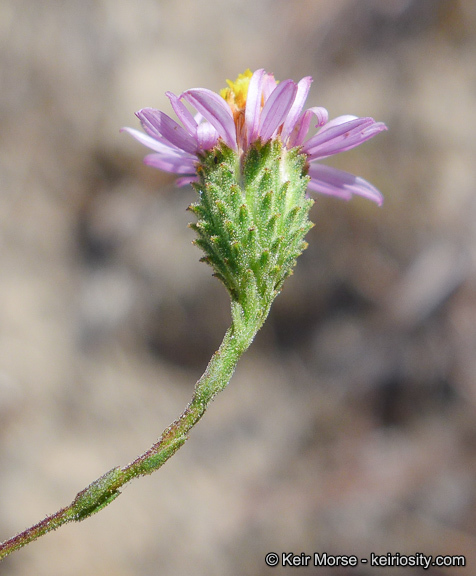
(350, 426)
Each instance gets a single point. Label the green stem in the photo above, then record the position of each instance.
(105, 489)
(46, 525)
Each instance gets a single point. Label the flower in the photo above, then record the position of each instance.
(256, 108)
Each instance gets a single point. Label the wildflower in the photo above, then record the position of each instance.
(256, 108)
(245, 152)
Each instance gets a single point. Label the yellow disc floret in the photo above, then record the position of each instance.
(237, 91)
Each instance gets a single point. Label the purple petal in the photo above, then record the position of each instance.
(215, 110)
(253, 105)
(276, 107)
(207, 136)
(301, 128)
(294, 113)
(334, 129)
(328, 180)
(269, 84)
(339, 120)
(182, 113)
(162, 127)
(185, 180)
(321, 114)
(341, 137)
(149, 141)
(175, 164)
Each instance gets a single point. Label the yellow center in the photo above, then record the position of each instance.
(237, 91)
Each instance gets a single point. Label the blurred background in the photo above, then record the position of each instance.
(349, 426)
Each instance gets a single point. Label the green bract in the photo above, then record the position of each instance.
(252, 217)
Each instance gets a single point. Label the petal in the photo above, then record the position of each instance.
(276, 107)
(215, 110)
(339, 120)
(175, 164)
(162, 127)
(185, 180)
(334, 129)
(301, 128)
(253, 105)
(341, 137)
(294, 113)
(321, 114)
(269, 85)
(207, 136)
(182, 113)
(328, 180)
(149, 141)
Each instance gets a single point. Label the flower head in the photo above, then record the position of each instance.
(255, 107)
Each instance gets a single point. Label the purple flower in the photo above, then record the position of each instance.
(256, 107)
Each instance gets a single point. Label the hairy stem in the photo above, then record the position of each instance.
(105, 489)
